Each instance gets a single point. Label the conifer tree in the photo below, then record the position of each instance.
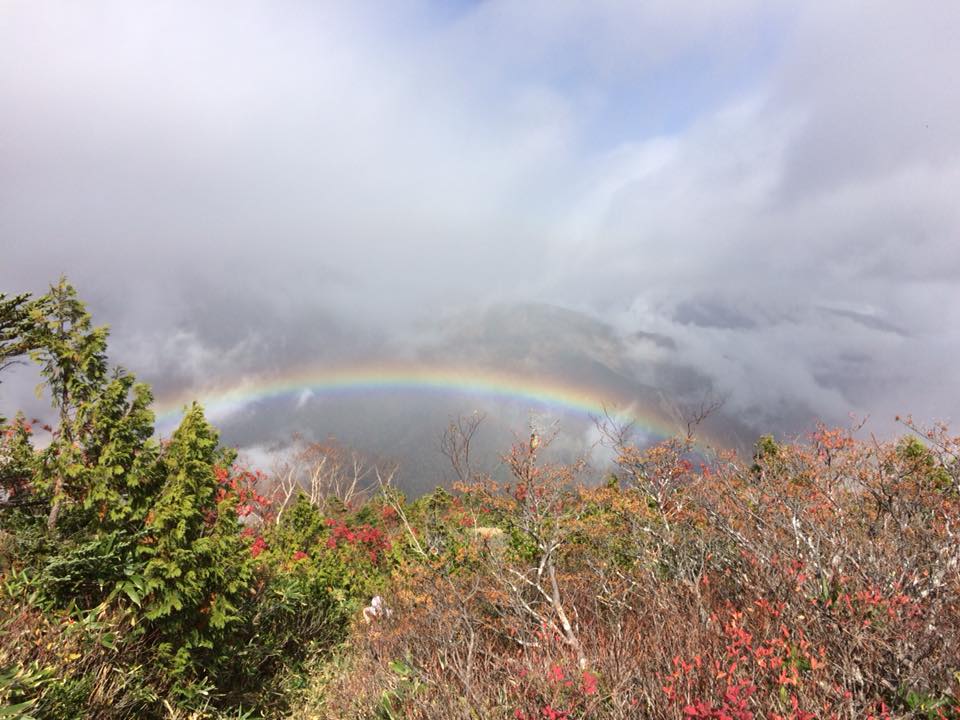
(198, 564)
(73, 360)
(120, 477)
(13, 322)
(101, 455)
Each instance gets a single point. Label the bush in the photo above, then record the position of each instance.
(821, 579)
(154, 580)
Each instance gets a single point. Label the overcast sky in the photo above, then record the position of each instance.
(239, 186)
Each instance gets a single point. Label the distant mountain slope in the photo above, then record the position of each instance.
(641, 371)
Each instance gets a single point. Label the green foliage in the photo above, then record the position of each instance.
(103, 522)
(100, 456)
(303, 602)
(198, 566)
(295, 615)
(301, 527)
(408, 683)
(17, 458)
(66, 697)
(337, 577)
(922, 463)
(14, 321)
(766, 451)
(309, 586)
(121, 459)
(71, 352)
(130, 585)
(923, 705)
(18, 689)
(98, 474)
(86, 572)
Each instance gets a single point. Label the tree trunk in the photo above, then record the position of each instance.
(572, 639)
(66, 439)
(55, 508)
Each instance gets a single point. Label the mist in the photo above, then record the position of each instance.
(752, 201)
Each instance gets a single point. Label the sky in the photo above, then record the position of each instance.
(242, 186)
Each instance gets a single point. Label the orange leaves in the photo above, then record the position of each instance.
(795, 586)
(826, 439)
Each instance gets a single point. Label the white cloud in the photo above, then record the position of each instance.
(212, 169)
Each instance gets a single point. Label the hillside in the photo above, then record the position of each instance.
(162, 579)
(539, 344)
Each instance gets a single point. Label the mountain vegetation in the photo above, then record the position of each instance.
(146, 577)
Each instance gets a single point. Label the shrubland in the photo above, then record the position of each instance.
(160, 578)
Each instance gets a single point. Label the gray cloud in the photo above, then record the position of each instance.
(761, 195)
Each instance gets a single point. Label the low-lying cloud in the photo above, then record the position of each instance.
(240, 187)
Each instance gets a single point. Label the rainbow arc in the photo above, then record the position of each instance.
(540, 391)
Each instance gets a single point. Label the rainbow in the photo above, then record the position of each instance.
(539, 390)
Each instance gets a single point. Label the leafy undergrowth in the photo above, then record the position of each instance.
(160, 579)
(818, 580)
